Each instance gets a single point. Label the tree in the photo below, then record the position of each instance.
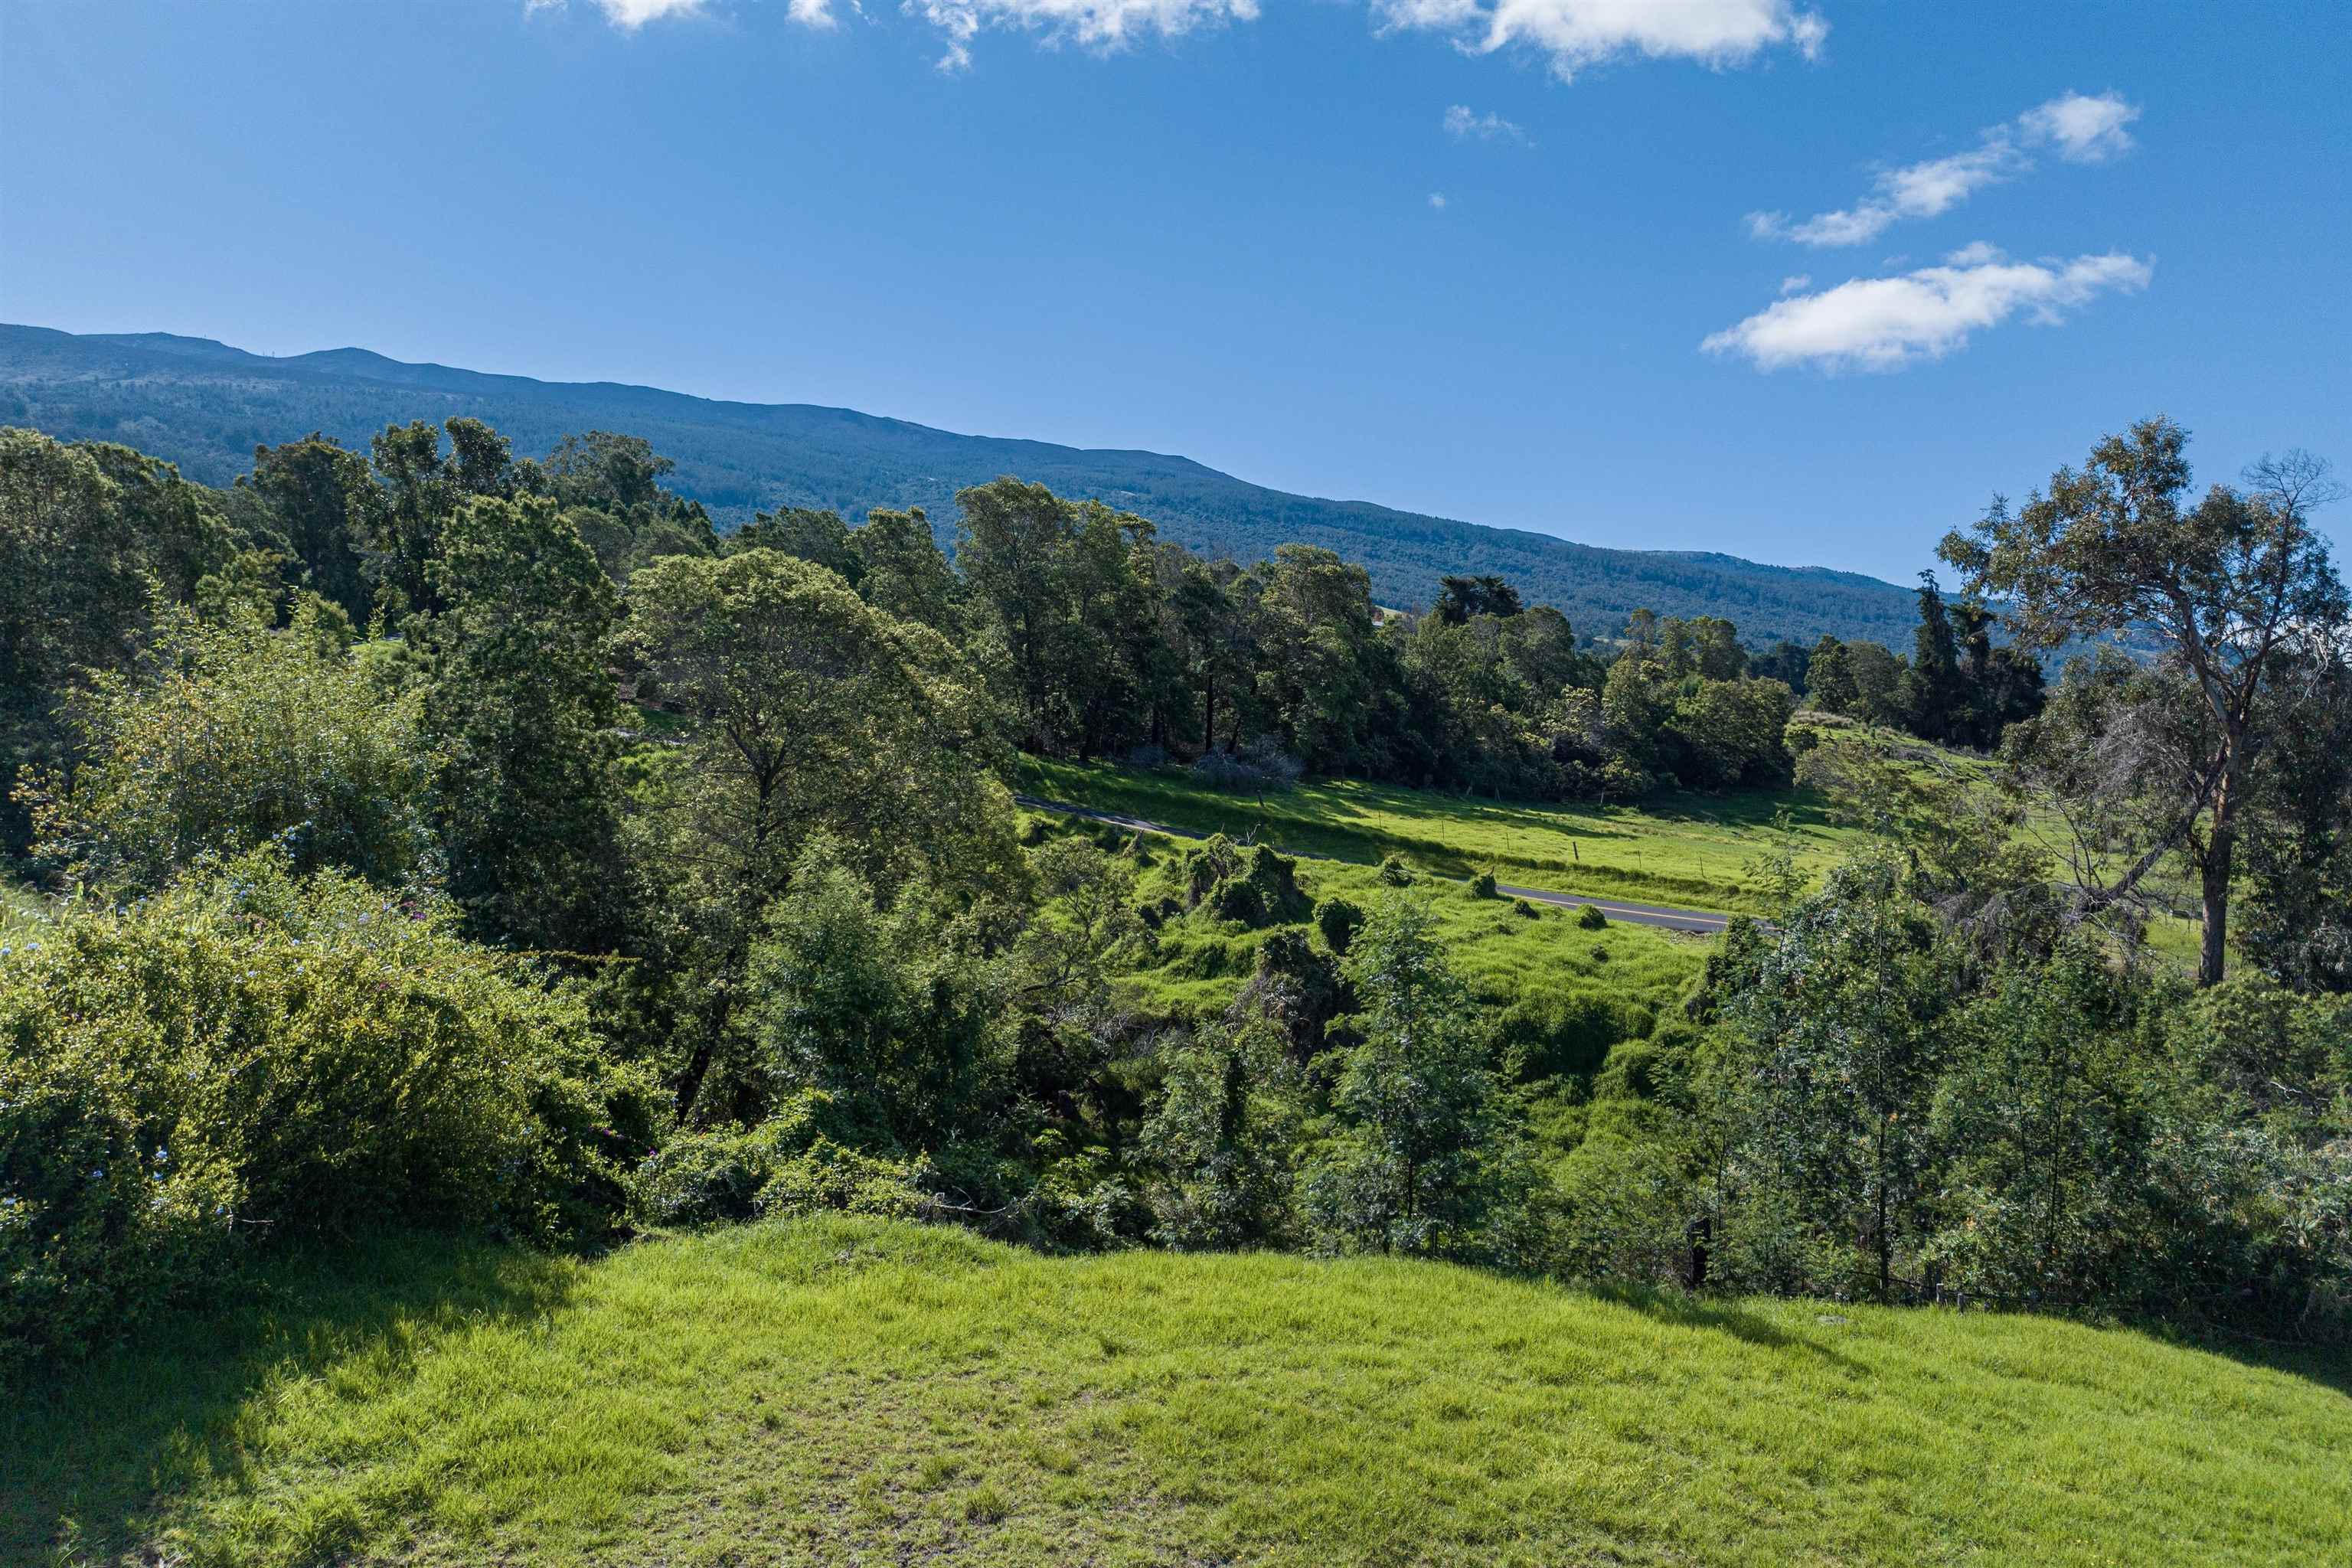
(1014, 541)
(230, 736)
(811, 713)
(1423, 1160)
(1829, 677)
(520, 712)
(809, 534)
(1936, 703)
(324, 501)
(1878, 683)
(894, 1010)
(1832, 1050)
(2296, 925)
(1219, 1136)
(1459, 598)
(2237, 586)
(903, 572)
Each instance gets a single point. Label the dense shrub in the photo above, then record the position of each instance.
(232, 734)
(1395, 873)
(1338, 920)
(1590, 918)
(1482, 885)
(249, 1057)
(789, 1164)
(1254, 886)
(1553, 1033)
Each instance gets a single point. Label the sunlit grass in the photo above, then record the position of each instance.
(1693, 851)
(1503, 949)
(838, 1392)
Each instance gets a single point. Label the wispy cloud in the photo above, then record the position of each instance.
(1795, 281)
(1575, 34)
(1437, 200)
(1103, 25)
(1885, 323)
(630, 14)
(2082, 129)
(1461, 120)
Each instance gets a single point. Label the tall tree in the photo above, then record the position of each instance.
(2237, 586)
(324, 502)
(519, 713)
(813, 712)
(903, 574)
(1934, 697)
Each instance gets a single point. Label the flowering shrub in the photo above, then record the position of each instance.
(250, 1056)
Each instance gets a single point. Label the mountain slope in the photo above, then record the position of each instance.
(206, 405)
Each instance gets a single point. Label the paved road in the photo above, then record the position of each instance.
(1698, 922)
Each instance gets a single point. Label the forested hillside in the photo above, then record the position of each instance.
(205, 407)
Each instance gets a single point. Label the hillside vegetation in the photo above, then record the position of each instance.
(1689, 850)
(848, 1391)
(205, 407)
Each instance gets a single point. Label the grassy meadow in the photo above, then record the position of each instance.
(1503, 948)
(1689, 850)
(848, 1391)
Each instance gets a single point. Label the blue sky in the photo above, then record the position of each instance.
(1805, 283)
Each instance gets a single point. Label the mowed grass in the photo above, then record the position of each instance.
(1687, 851)
(859, 1392)
(1503, 948)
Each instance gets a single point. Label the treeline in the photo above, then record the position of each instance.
(440, 837)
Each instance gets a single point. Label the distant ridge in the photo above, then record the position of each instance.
(206, 405)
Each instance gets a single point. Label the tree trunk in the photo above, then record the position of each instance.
(2213, 876)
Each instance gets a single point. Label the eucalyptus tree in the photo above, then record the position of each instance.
(2238, 587)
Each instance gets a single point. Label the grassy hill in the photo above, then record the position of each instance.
(857, 1392)
(206, 405)
(1692, 852)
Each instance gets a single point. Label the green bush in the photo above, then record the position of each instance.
(1555, 1032)
(789, 1164)
(1255, 885)
(1590, 918)
(248, 1058)
(1482, 885)
(1396, 873)
(1338, 920)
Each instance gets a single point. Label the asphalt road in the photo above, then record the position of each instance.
(1700, 923)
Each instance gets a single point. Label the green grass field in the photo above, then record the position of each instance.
(1503, 950)
(855, 1392)
(1692, 852)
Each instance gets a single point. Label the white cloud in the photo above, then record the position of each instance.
(630, 14)
(1575, 34)
(813, 13)
(1885, 323)
(1795, 281)
(1437, 200)
(1461, 120)
(2084, 130)
(1104, 26)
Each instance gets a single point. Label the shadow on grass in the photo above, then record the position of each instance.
(98, 1455)
(1719, 1315)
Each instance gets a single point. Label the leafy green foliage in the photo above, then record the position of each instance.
(1422, 1160)
(229, 735)
(253, 1056)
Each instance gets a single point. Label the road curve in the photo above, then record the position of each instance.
(1697, 922)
